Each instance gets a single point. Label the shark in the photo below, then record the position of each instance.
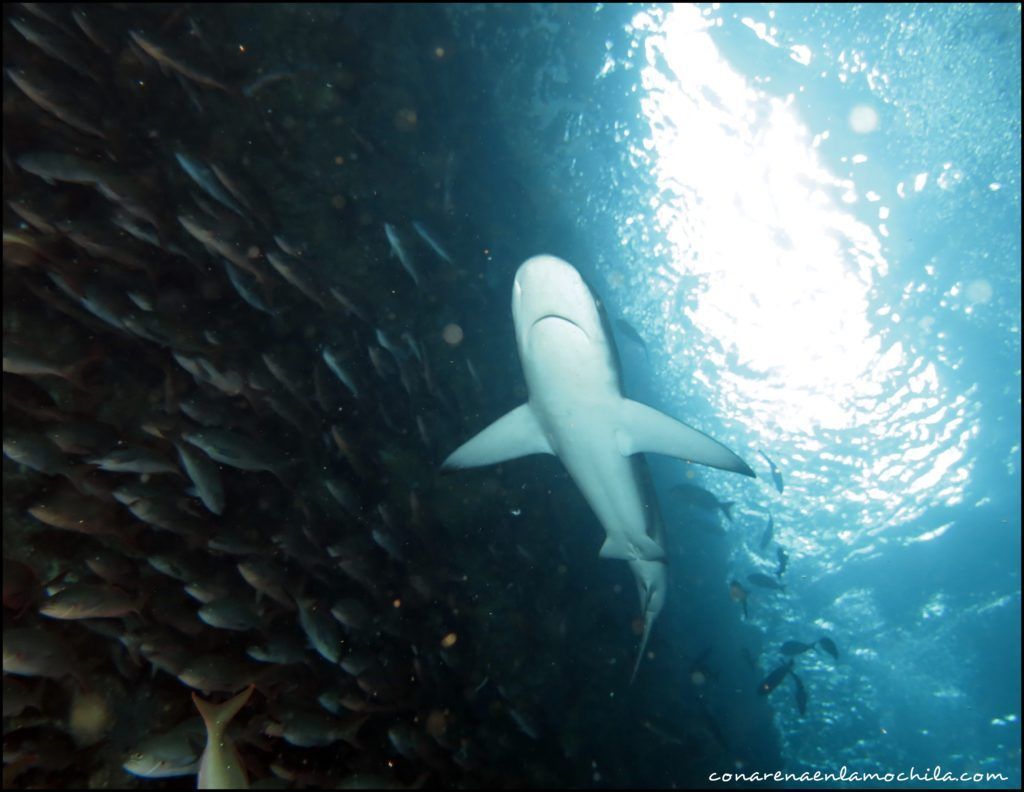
(576, 411)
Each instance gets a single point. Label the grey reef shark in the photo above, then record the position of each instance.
(576, 410)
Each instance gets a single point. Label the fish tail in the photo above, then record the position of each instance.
(727, 509)
(217, 716)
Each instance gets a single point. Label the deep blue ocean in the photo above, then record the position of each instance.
(801, 224)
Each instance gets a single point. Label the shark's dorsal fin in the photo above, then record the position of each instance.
(644, 429)
(514, 435)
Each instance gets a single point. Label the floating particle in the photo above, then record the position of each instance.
(406, 120)
(453, 334)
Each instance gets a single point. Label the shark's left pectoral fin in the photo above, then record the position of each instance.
(644, 429)
(513, 435)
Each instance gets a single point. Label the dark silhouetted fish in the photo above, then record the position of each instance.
(702, 499)
(790, 648)
(770, 682)
(776, 473)
(783, 560)
(765, 582)
(829, 646)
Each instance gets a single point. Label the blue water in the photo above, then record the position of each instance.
(811, 216)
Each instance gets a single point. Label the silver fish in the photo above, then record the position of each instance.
(427, 237)
(403, 255)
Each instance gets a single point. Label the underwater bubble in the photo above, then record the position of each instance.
(863, 119)
(979, 291)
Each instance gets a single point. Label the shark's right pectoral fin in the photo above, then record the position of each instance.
(644, 429)
(513, 435)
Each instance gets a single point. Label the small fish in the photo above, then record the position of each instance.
(801, 694)
(279, 649)
(174, 753)
(218, 672)
(783, 560)
(35, 652)
(527, 725)
(769, 532)
(210, 589)
(205, 178)
(220, 766)
(205, 474)
(185, 568)
(267, 578)
(18, 359)
(403, 255)
(790, 648)
(231, 613)
(67, 509)
(306, 727)
(352, 613)
(334, 364)
(765, 582)
(347, 304)
(293, 273)
(321, 629)
(135, 459)
(776, 473)
(52, 102)
(81, 17)
(214, 243)
(427, 237)
(357, 662)
(111, 567)
(829, 646)
(343, 494)
(231, 185)
(232, 449)
(702, 499)
(54, 167)
(770, 682)
(161, 57)
(739, 594)
(35, 452)
(89, 601)
(52, 45)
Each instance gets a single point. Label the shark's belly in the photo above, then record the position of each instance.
(606, 479)
(561, 363)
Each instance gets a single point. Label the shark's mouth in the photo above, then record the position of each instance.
(560, 318)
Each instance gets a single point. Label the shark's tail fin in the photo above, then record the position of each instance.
(648, 622)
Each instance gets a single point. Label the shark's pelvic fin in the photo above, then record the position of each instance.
(644, 429)
(631, 548)
(514, 435)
